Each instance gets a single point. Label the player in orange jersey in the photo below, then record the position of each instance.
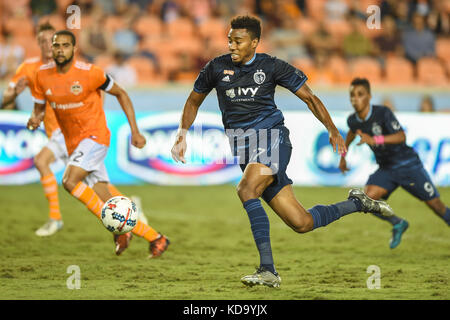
(56, 147)
(73, 90)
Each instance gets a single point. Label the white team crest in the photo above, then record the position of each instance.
(76, 88)
(259, 76)
(230, 93)
(376, 129)
(395, 125)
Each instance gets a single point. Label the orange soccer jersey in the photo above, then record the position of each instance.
(28, 69)
(76, 99)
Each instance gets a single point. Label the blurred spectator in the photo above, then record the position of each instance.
(86, 6)
(95, 39)
(126, 40)
(11, 55)
(427, 104)
(402, 14)
(321, 74)
(170, 10)
(418, 41)
(122, 73)
(389, 42)
(387, 102)
(356, 44)
(321, 39)
(438, 19)
(267, 11)
(41, 8)
(287, 41)
(336, 10)
(199, 10)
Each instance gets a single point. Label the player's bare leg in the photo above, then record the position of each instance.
(289, 209)
(42, 162)
(399, 225)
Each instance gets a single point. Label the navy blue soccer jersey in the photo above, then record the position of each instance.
(246, 92)
(382, 121)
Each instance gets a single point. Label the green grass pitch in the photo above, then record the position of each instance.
(212, 248)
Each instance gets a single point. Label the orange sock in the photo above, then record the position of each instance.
(113, 190)
(88, 196)
(145, 231)
(51, 193)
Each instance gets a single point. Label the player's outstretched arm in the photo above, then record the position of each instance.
(11, 93)
(395, 138)
(188, 116)
(137, 139)
(37, 116)
(321, 113)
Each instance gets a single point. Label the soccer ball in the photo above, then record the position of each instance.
(119, 215)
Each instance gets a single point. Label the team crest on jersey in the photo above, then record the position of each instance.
(76, 88)
(376, 129)
(259, 76)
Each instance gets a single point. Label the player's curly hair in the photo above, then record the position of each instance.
(252, 24)
(361, 82)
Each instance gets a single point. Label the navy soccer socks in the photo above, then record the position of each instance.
(324, 215)
(446, 216)
(260, 226)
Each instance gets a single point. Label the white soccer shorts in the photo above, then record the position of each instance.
(57, 145)
(90, 156)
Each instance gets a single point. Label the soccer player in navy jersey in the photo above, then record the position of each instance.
(245, 83)
(399, 164)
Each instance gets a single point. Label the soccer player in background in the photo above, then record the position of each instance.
(245, 83)
(73, 90)
(399, 164)
(56, 147)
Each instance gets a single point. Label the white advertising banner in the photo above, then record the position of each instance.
(208, 157)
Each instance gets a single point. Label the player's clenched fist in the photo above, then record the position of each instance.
(138, 140)
(33, 123)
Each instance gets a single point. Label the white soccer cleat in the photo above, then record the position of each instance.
(138, 203)
(371, 205)
(49, 228)
(262, 277)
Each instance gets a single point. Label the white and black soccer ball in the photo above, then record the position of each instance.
(119, 215)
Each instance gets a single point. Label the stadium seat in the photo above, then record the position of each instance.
(307, 26)
(431, 72)
(367, 68)
(316, 9)
(340, 69)
(55, 20)
(29, 44)
(20, 27)
(338, 29)
(443, 49)
(213, 27)
(148, 25)
(399, 71)
(179, 28)
(103, 60)
(114, 23)
(144, 68)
